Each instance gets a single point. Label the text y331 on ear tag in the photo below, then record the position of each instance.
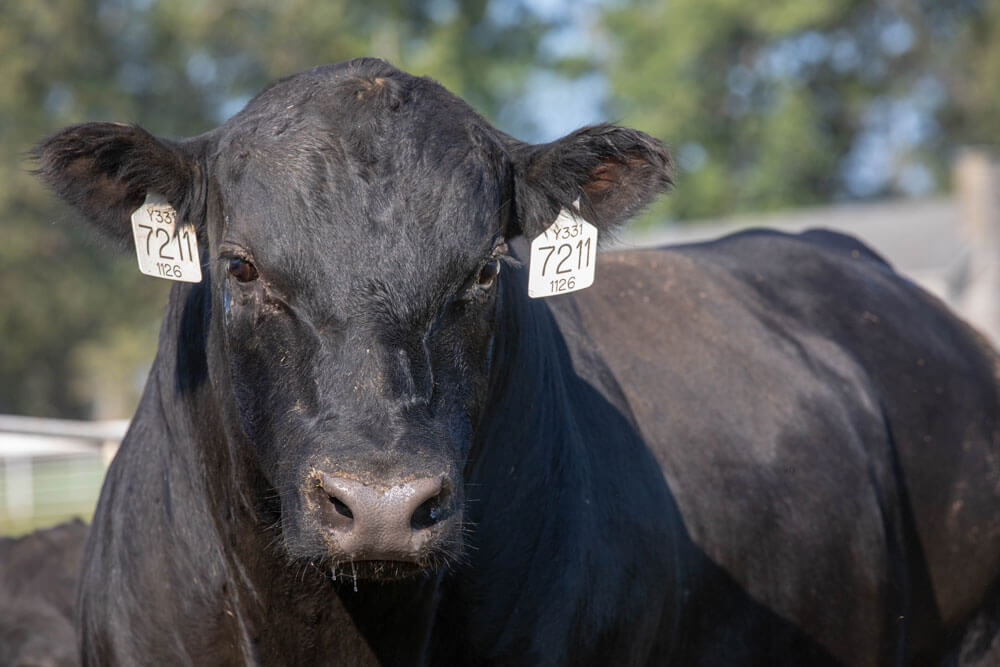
(562, 257)
(164, 247)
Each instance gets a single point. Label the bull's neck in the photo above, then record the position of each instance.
(528, 447)
(547, 380)
(558, 453)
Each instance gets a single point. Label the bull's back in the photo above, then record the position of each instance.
(805, 402)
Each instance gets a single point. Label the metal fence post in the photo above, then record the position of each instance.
(977, 188)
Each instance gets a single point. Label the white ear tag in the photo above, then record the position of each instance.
(562, 257)
(164, 248)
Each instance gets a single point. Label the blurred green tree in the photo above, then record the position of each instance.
(786, 103)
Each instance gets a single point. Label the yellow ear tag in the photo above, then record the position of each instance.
(164, 248)
(562, 257)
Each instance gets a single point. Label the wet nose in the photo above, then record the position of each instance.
(391, 521)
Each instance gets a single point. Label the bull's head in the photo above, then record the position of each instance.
(353, 222)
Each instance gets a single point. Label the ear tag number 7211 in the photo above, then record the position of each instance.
(165, 247)
(562, 257)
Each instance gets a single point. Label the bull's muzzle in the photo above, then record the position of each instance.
(395, 521)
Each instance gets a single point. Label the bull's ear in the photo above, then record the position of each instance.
(613, 171)
(104, 170)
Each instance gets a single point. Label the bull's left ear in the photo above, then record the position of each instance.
(613, 171)
(105, 170)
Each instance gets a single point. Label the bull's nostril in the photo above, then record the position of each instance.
(425, 516)
(342, 509)
(429, 512)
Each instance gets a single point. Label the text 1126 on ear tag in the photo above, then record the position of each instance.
(562, 257)
(164, 247)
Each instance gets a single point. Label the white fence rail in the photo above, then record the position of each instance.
(52, 469)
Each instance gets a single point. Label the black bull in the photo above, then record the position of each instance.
(362, 442)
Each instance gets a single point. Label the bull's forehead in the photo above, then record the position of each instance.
(349, 189)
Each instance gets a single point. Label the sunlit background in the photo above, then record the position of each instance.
(876, 117)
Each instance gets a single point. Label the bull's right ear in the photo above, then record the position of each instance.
(104, 170)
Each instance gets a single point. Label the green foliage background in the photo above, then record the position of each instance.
(767, 105)
(786, 103)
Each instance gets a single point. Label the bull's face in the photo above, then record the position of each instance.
(357, 243)
(354, 224)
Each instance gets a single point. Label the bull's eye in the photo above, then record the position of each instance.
(242, 270)
(488, 274)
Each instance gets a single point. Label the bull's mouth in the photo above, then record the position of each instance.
(378, 570)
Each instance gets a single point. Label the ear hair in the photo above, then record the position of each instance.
(104, 170)
(614, 171)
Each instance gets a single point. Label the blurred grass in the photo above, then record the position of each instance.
(62, 488)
